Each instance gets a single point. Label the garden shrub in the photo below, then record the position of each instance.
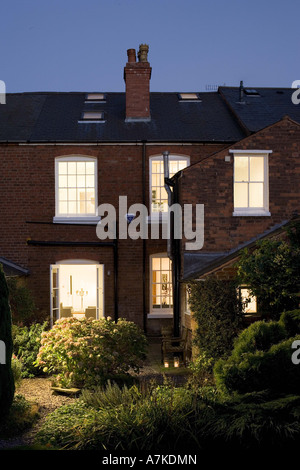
(26, 345)
(86, 353)
(291, 322)
(251, 421)
(16, 366)
(159, 420)
(174, 420)
(23, 308)
(272, 272)
(21, 417)
(260, 335)
(216, 310)
(262, 359)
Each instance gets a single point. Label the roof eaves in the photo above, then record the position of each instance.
(233, 254)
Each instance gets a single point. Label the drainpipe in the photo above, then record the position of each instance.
(173, 245)
(176, 266)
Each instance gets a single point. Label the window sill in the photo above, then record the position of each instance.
(257, 213)
(77, 220)
(157, 218)
(160, 315)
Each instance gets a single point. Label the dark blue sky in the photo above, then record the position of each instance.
(80, 45)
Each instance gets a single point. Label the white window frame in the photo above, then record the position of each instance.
(54, 271)
(158, 313)
(83, 218)
(187, 307)
(253, 211)
(162, 215)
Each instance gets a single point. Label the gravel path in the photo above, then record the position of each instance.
(37, 390)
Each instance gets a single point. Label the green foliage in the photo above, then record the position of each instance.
(26, 344)
(216, 309)
(87, 353)
(291, 322)
(272, 272)
(165, 419)
(21, 301)
(251, 421)
(7, 386)
(114, 419)
(201, 368)
(16, 366)
(260, 335)
(21, 417)
(262, 358)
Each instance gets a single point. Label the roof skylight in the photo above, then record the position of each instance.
(251, 92)
(189, 96)
(92, 116)
(95, 97)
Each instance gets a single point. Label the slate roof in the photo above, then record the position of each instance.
(216, 117)
(197, 265)
(53, 117)
(258, 111)
(12, 269)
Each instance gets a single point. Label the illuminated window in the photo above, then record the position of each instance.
(92, 116)
(249, 301)
(95, 97)
(161, 285)
(251, 183)
(158, 193)
(188, 96)
(76, 187)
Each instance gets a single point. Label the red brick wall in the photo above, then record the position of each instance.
(137, 79)
(27, 194)
(211, 183)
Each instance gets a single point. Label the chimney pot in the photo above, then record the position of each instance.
(131, 55)
(143, 53)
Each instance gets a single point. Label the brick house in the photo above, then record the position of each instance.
(255, 195)
(63, 155)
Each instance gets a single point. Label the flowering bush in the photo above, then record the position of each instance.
(88, 352)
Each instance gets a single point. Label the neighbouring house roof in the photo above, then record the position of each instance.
(197, 265)
(12, 269)
(53, 117)
(256, 111)
(215, 117)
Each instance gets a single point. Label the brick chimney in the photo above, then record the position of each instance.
(137, 82)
